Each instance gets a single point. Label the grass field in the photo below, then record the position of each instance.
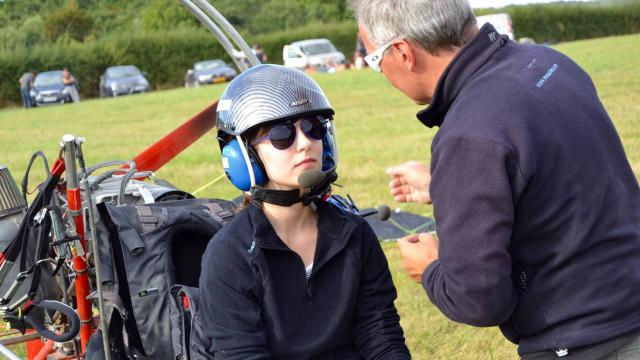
(376, 128)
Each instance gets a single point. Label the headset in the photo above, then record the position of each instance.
(237, 154)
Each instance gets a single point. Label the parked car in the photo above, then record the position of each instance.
(502, 23)
(209, 72)
(48, 88)
(312, 52)
(123, 80)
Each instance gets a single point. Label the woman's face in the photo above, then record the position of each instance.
(284, 166)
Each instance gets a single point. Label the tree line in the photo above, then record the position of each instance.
(31, 23)
(164, 39)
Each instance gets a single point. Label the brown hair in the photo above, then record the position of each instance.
(250, 137)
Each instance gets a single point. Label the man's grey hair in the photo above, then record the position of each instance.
(433, 24)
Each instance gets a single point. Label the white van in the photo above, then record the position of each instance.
(502, 23)
(313, 52)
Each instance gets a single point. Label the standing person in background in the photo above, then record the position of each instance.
(70, 85)
(259, 52)
(536, 205)
(26, 82)
(359, 54)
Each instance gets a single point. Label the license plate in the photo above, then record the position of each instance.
(49, 98)
(219, 79)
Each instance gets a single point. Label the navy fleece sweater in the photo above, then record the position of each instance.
(537, 208)
(256, 302)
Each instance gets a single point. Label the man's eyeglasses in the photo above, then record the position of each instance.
(373, 59)
(284, 134)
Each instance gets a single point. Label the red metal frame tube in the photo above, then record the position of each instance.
(74, 206)
(80, 268)
(44, 351)
(172, 144)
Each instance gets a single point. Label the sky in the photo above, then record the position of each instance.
(501, 3)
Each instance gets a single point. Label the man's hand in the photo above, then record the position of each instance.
(410, 182)
(418, 251)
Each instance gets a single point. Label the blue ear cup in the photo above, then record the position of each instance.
(328, 160)
(236, 168)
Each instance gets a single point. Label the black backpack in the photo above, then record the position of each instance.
(150, 259)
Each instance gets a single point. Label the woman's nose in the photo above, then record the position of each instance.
(302, 140)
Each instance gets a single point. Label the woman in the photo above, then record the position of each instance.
(291, 276)
(70, 85)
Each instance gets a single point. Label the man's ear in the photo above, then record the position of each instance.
(406, 53)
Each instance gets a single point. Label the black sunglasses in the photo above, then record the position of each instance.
(284, 134)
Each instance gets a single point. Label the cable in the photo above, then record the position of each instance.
(209, 184)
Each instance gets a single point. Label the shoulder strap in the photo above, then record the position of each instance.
(218, 213)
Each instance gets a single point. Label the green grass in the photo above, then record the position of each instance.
(376, 129)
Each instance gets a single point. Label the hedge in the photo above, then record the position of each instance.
(166, 55)
(559, 23)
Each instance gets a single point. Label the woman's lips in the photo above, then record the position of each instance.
(305, 161)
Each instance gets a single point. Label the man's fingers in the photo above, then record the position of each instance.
(413, 239)
(402, 189)
(396, 170)
(398, 181)
(409, 239)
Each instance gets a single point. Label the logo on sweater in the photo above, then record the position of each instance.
(546, 76)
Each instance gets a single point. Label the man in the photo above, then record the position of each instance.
(536, 206)
(26, 82)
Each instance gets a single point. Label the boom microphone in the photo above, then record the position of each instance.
(311, 178)
(383, 211)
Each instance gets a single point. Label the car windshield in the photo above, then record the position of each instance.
(122, 71)
(48, 78)
(208, 65)
(318, 48)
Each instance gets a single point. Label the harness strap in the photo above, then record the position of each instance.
(218, 213)
(147, 220)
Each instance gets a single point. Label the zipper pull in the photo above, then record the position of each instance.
(309, 295)
(523, 281)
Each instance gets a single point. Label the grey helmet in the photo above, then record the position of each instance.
(263, 94)
(266, 93)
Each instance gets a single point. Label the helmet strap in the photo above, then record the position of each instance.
(290, 197)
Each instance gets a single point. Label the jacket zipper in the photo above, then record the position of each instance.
(309, 293)
(308, 290)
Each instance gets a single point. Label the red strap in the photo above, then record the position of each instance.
(185, 302)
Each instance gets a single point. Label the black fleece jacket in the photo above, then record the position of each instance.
(536, 205)
(258, 304)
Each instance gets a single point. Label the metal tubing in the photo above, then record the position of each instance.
(74, 207)
(45, 351)
(96, 259)
(84, 306)
(69, 145)
(226, 26)
(20, 339)
(8, 353)
(215, 30)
